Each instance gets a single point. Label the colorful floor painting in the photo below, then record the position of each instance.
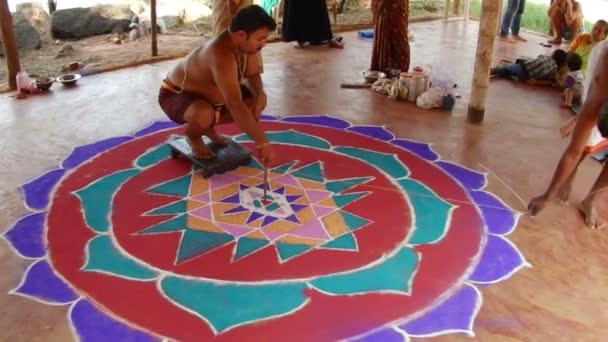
(363, 236)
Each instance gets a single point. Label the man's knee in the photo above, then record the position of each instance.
(201, 114)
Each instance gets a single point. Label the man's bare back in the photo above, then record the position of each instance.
(193, 73)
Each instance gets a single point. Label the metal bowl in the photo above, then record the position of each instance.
(372, 76)
(44, 83)
(69, 79)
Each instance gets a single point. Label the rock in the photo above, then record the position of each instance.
(25, 34)
(64, 51)
(37, 16)
(75, 23)
(172, 21)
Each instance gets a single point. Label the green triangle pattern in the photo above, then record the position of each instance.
(283, 168)
(288, 250)
(196, 242)
(153, 156)
(246, 246)
(341, 185)
(177, 187)
(343, 200)
(175, 224)
(344, 242)
(178, 207)
(352, 221)
(311, 172)
(254, 163)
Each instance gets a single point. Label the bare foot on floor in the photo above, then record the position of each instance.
(216, 138)
(298, 45)
(335, 44)
(592, 219)
(507, 39)
(520, 38)
(564, 193)
(199, 149)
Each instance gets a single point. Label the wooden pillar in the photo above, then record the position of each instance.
(9, 44)
(457, 7)
(446, 10)
(467, 9)
(483, 60)
(154, 27)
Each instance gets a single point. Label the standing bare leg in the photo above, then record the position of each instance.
(587, 205)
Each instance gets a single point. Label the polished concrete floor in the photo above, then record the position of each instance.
(563, 297)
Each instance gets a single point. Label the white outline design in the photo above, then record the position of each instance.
(133, 138)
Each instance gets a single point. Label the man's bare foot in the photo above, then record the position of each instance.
(592, 219)
(199, 149)
(520, 38)
(216, 138)
(507, 39)
(335, 44)
(298, 45)
(556, 41)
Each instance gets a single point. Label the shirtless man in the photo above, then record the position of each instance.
(217, 83)
(593, 118)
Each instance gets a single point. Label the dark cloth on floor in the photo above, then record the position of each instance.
(306, 21)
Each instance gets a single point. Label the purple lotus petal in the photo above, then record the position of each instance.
(499, 218)
(37, 192)
(26, 235)
(86, 152)
(40, 282)
(384, 335)
(470, 179)
(374, 132)
(500, 259)
(91, 324)
(420, 149)
(155, 127)
(269, 117)
(321, 120)
(455, 314)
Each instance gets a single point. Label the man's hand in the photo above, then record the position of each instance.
(266, 154)
(259, 105)
(537, 204)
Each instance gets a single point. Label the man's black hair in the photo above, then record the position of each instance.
(559, 56)
(574, 61)
(602, 120)
(251, 19)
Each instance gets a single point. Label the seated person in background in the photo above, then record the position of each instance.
(566, 19)
(574, 80)
(542, 70)
(584, 43)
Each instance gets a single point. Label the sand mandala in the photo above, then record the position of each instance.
(362, 236)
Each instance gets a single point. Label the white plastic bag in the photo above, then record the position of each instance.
(432, 98)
